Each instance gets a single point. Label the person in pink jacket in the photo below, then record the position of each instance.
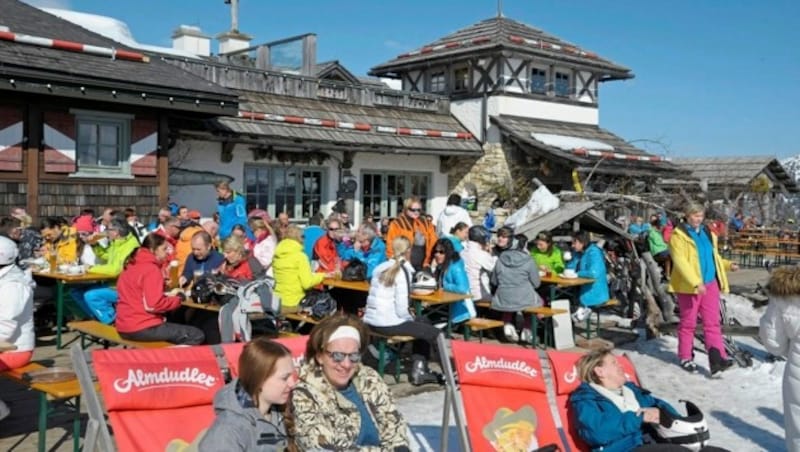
(142, 302)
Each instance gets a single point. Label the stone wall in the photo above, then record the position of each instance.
(485, 176)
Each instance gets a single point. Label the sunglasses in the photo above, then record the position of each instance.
(339, 357)
(438, 251)
(334, 229)
(415, 210)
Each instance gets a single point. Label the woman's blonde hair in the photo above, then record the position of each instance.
(693, 208)
(235, 244)
(293, 232)
(318, 338)
(399, 246)
(258, 224)
(589, 362)
(410, 201)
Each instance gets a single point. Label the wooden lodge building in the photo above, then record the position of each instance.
(494, 103)
(84, 122)
(532, 99)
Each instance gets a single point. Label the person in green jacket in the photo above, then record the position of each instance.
(292, 271)
(99, 300)
(547, 256)
(658, 247)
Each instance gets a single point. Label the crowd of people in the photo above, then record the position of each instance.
(154, 266)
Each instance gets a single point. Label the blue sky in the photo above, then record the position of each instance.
(713, 77)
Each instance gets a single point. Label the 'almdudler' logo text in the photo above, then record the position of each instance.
(484, 363)
(189, 376)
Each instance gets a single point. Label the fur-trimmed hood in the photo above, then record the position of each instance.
(784, 281)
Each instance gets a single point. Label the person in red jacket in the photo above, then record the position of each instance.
(142, 302)
(239, 263)
(325, 248)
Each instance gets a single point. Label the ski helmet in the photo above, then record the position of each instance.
(690, 431)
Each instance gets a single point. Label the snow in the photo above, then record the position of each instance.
(743, 407)
(113, 29)
(569, 143)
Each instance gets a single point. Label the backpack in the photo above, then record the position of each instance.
(254, 297)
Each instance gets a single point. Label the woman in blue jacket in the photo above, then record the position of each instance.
(452, 277)
(367, 247)
(610, 412)
(589, 262)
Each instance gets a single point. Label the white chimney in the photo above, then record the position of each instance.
(191, 39)
(231, 41)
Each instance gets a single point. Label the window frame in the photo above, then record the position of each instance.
(457, 81)
(435, 77)
(561, 75)
(535, 71)
(386, 204)
(98, 118)
(298, 196)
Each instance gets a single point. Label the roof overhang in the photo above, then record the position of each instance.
(583, 211)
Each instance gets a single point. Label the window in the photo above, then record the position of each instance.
(562, 84)
(461, 79)
(102, 143)
(437, 82)
(384, 192)
(538, 81)
(297, 191)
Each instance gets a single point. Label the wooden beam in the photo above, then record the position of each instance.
(34, 125)
(163, 160)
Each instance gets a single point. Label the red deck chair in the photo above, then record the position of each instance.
(503, 395)
(158, 398)
(297, 345)
(565, 378)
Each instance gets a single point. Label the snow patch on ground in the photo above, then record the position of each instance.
(743, 408)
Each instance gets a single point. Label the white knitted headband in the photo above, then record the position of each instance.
(345, 332)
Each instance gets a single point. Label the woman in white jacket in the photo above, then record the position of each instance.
(780, 333)
(388, 312)
(479, 263)
(16, 312)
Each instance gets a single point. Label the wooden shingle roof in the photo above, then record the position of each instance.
(503, 33)
(737, 171)
(374, 140)
(621, 158)
(50, 64)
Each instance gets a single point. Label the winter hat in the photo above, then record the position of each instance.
(195, 214)
(260, 213)
(8, 251)
(84, 223)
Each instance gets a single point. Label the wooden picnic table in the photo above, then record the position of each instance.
(63, 279)
(561, 284)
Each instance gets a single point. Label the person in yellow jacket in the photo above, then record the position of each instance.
(697, 278)
(292, 270)
(60, 240)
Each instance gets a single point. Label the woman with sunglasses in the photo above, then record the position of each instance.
(420, 232)
(451, 275)
(339, 403)
(251, 409)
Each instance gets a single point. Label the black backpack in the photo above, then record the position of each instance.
(356, 270)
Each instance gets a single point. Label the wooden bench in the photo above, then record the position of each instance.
(479, 325)
(389, 351)
(542, 313)
(596, 311)
(301, 318)
(92, 331)
(54, 399)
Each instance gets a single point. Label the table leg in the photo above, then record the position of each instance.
(43, 409)
(535, 328)
(59, 312)
(76, 426)
(418, 307)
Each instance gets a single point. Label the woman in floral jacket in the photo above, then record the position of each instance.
(340, 404)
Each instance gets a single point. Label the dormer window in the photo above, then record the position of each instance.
(437, 82)
(562, 84)
(538, 81)
(461, 79)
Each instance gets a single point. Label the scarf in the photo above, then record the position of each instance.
(624, 398)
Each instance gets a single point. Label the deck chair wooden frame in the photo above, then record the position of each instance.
(97, 436)
(451, 401)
